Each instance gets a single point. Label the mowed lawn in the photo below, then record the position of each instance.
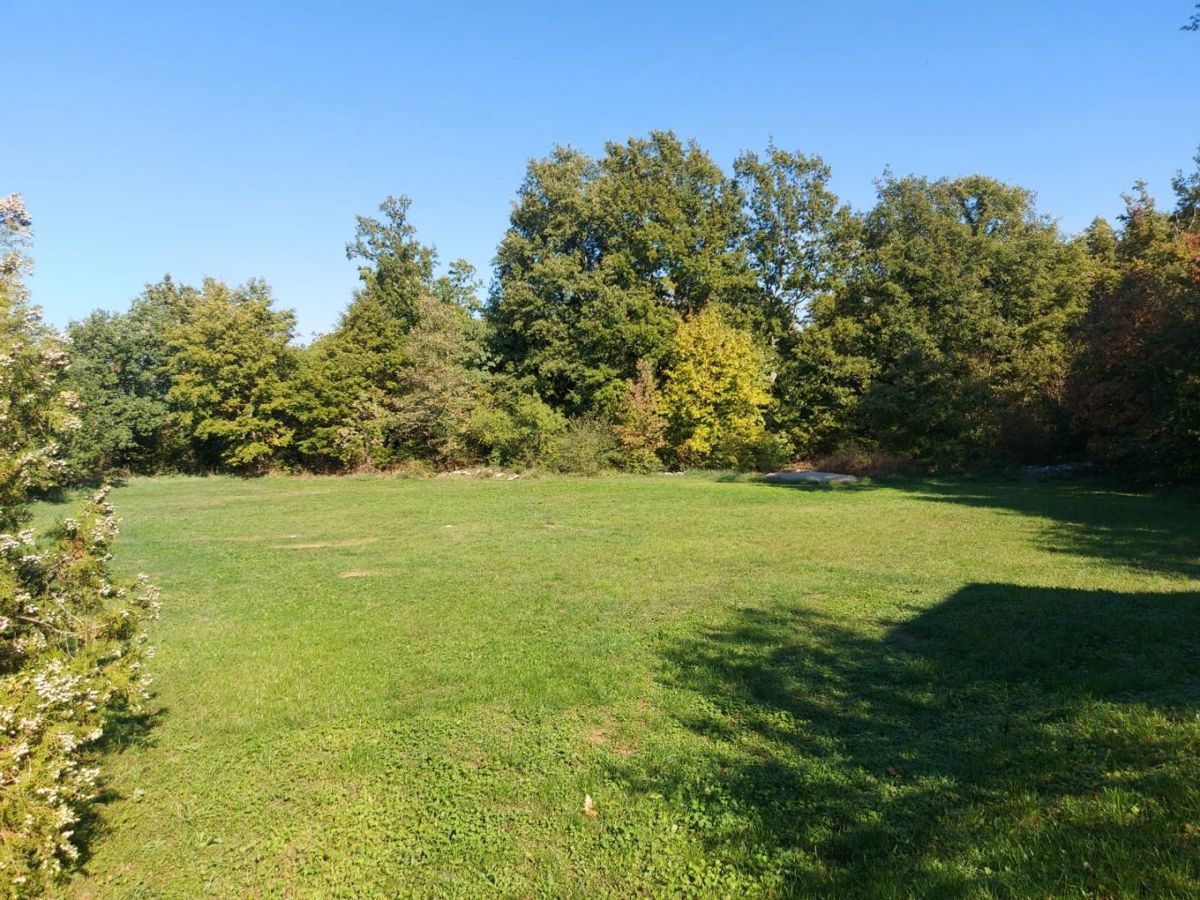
(380, 687)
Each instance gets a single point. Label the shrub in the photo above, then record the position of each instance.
(517, 429)
(640, 428)
(856, 459)
(71, 649)
(587, 447)
(71, 653)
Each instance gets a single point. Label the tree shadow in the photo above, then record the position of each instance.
(129, 730)
(1090, 518)
(1011, 741)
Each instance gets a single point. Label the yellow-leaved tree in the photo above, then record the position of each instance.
(715, 392)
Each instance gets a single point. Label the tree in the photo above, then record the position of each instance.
(1136, 383)
(71, 647)
(791, 215)
(401, 375)
(118, 371)
(439, 386)
(714, 395)
(35, 413)
(396, 265)
(959, 298)
(230, 363)
(603, 257)
(1187, 194)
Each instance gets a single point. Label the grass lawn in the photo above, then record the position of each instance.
(382, 687)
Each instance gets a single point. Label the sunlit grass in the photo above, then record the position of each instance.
(374, 686)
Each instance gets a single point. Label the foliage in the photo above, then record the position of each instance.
(790, 233)
(71, 653)
(953, 317)
(1187, 195)
(1137, 381)
(516, 428)
(401, 376)
(118, 372)
(586, 447)
(396, 266)
(601, 259)
(35, 412)
(70, 644)
(715, 392)
(230, 363)
(944, 326)
(640, 427)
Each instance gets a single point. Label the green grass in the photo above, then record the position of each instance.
(379, 687)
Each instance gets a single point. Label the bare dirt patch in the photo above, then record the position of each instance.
(322, 545)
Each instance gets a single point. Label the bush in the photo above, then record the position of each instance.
(855, 459)
(587, 447)
(517, 429)
(640, 428)
(71, 655)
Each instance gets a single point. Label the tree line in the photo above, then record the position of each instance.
(650, 309)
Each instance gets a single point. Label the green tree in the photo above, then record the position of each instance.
(961, 299)
(35, 412)
(401, 375)
(396, 266)
(230, 367)
(1187, 195)
(118, 372)
(790, 233)
(603, 257)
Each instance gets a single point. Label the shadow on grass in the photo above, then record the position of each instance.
(1012, 741)
(1141, 530)
(1085, 517)
(129, 730)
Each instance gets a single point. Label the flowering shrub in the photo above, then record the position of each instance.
(71, 655)
(71, 645)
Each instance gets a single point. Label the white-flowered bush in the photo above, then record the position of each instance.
(71, 641)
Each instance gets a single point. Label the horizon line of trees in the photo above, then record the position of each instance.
(650, 309)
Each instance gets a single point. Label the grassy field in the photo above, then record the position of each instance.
(382, 687)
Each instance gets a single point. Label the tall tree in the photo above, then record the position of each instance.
(118, 371)
(957, 306)
(35, 414)
(399, 376)
(603, 257)
(230, 364)
(70, 643)
(790, 236)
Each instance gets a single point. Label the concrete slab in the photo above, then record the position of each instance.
(809, 478)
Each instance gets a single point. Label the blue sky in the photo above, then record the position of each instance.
(240, 139)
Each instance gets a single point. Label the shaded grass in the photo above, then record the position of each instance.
(919, 689)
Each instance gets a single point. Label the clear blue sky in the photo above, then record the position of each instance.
(239, 139)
